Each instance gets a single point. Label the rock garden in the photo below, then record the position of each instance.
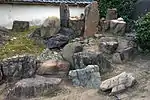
(103, 55)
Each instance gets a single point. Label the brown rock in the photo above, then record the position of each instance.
(91, 19)
(111, 14)
(52, 67)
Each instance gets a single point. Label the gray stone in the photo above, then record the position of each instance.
(83, 59)
(117, 58)
(49, 55)
(50, 27)
(77, 26)
(91, 19)
(69, 50)
(20, 26)
(111, 14)
(108, 44)
(128, 53)
(118, 83)
(4, 35)
(33, 87)
(64, 15)
(117, 27)
(88, 77)
(20, 66)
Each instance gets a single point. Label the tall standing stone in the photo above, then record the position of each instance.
(64, 15)
(91, 19)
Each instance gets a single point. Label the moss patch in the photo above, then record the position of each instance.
(20, 44)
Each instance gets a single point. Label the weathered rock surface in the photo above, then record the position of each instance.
(50, 27)
(108, 44)
(54, 67)
(118, 83)
(77, 26)
(91, 19)
(87, 77)
(69, 50)
(117, 27)
(128, 53)
(64, 15)
(117, 58)
(18, 67)
(4, 35)
(49, 55)
(20, 26)
(111, 14)
(33, 87)
(83, 59)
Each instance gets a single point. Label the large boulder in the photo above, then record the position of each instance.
(83, 59)
(118, 83)
(20, 26)
(91, 19)
(50, 27)
(69, 50)
(54, 67)
(33, 87)
(88, 77)
(118, 27)
(20, 66)
(108, 44)
(49, 55)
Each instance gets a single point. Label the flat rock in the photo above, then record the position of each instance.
(54, 67)
(32, 87)
(88, 77)
(118, 83)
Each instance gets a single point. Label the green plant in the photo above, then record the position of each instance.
(142, 27)
(124, 7)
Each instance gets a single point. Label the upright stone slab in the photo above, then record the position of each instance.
(64, 15)
(111, 14)
(91, 19)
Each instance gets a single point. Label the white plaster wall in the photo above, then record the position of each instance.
(36, 14)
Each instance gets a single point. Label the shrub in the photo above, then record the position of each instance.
(124, 7)
(143, 32)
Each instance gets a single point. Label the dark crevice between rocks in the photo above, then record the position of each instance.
(3, 79)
